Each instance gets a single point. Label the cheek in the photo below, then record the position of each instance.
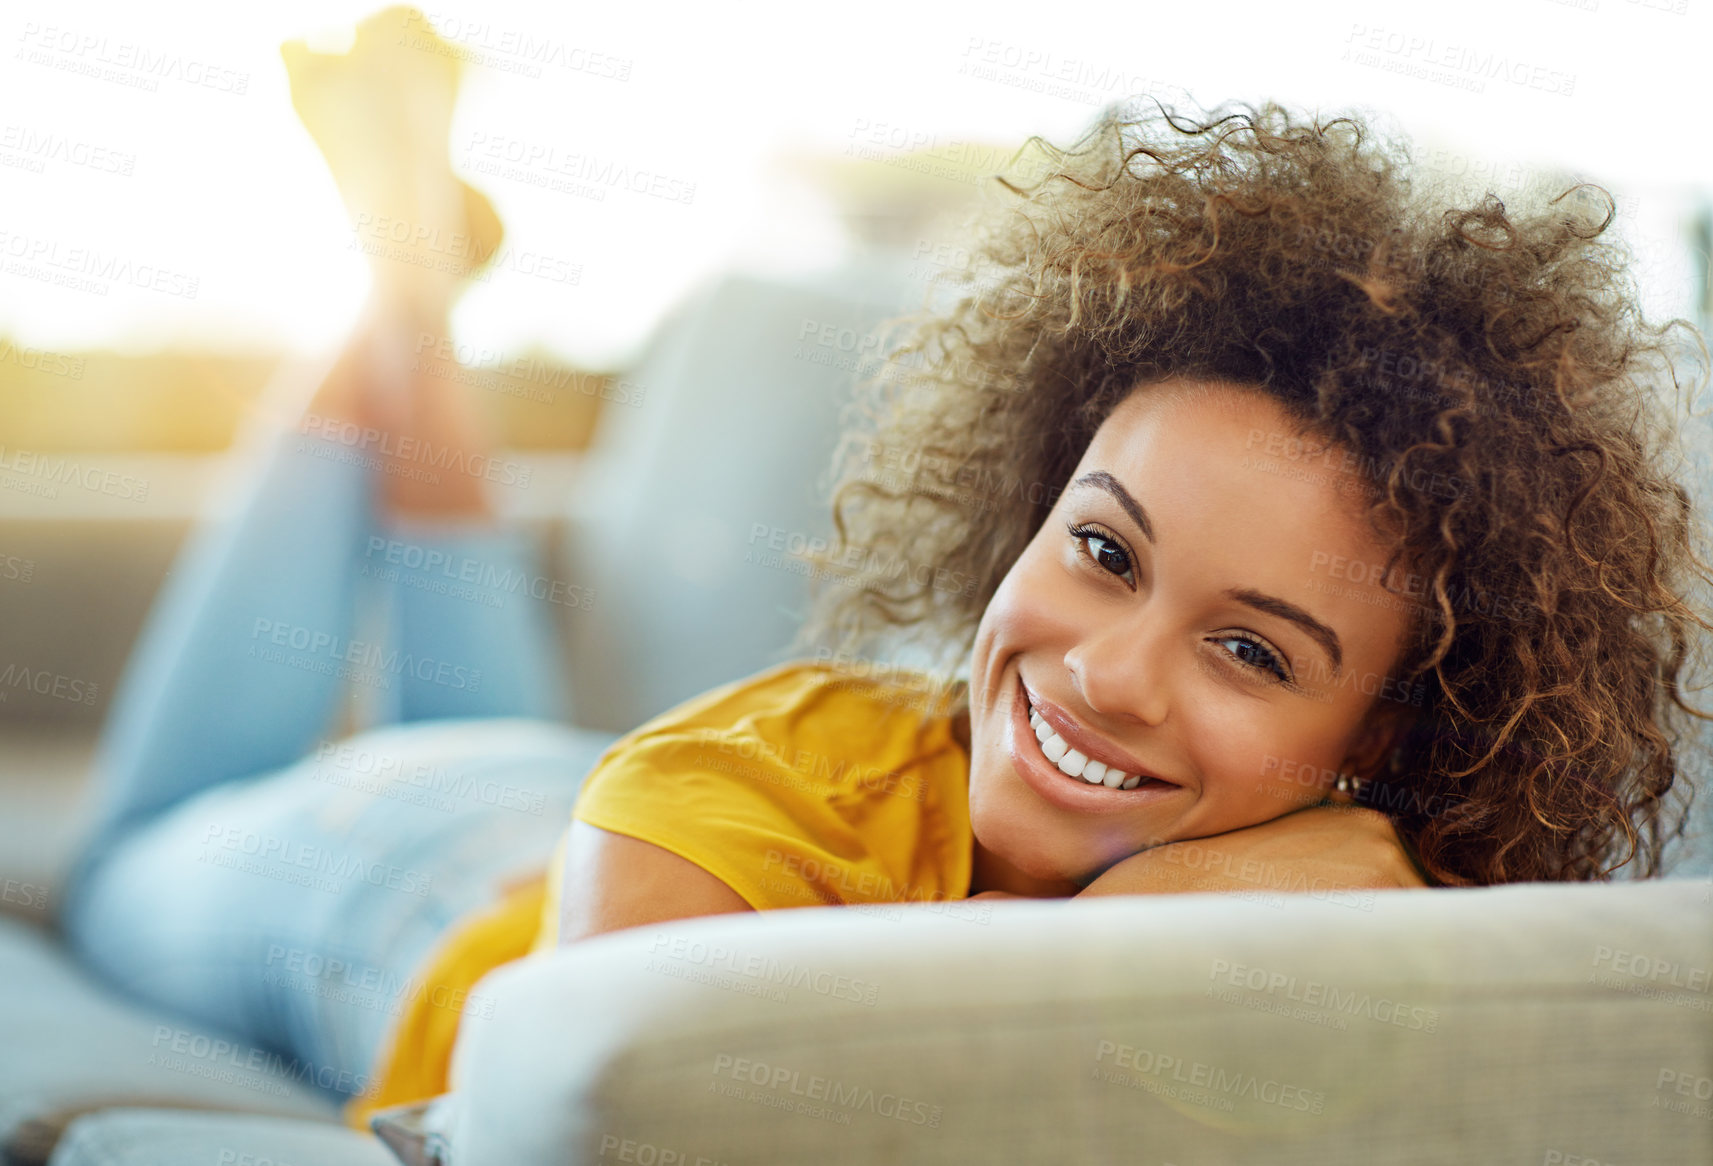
(1256, 763)
(1291, 773)
(1239, 751)
(1033, 607)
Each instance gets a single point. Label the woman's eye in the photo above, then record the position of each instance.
(1260, 657)
(1110, 556)
(1105, 553)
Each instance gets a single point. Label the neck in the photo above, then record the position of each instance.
(990, 872)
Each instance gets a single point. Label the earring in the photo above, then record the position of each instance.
(1348, 783)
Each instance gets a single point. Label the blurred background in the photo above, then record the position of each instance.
(706, 211)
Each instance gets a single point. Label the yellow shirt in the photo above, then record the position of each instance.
(801, 786)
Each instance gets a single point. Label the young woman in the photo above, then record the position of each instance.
(1295, 529)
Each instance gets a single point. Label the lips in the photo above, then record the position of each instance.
(1061, 791)
(1078, 739)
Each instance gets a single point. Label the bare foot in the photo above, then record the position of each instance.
(381, 115)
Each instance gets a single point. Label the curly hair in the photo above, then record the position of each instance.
(1509, 414)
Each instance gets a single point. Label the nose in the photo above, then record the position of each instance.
(1122, 673)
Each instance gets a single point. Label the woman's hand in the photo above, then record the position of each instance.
(1321, 848)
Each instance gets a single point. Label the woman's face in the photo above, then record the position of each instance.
(1203, 625)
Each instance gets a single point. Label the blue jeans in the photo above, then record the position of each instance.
(247, 872)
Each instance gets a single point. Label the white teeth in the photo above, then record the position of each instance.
(1072, 763)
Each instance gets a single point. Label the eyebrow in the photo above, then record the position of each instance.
(1259, 600)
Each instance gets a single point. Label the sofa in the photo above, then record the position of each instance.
(1524, 1024)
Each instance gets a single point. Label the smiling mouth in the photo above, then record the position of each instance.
(1071, 763)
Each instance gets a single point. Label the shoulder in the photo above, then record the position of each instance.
(836, 727)
(800, 785)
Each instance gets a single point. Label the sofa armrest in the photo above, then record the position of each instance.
(1482, 1025)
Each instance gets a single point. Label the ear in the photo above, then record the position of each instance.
(1385, 726)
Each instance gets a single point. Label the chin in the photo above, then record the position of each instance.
(1017, 839)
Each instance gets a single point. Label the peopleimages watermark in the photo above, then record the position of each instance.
(89, 269)
(922, 151)
(1030, 67)
(123, 62)
(1307, 783)
(435, 248)
(1564, 1158)
(1192, 855)
(972, 487)
(721, 966)
(1447, 383)
(1639, 974)
(362, 661)
(24, 894)
(1694, 1090)
(464, 577)
(619, 1149)
(955, 265)
(14, 569)
(364, 985)
(568, 171)
(1353, 471)
(355, 766)
(1197, 1082)
(24, 148)
(46, 682)
(842, 882)
(888, 681)
(505, 50)
(413, 454)
(803, 1093)
(43, 475)
(180, 1050)
(1460, 66)
(805, 769)
(835, 344)
(868, 893)
(526, 377)
(854, 566)
(42, 360)
(1373, 584)
(1312, 1001)
(303, 863)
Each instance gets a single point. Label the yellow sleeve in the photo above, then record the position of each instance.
(796, 791)
(796, 787)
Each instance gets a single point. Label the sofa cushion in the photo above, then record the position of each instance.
(164, 1137)
(1528, 1023)
(68, 1042)
(687, 505)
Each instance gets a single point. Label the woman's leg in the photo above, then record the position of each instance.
(211, 893)
(209, 880)
(472, 637)
(236, 671)
(296, 910)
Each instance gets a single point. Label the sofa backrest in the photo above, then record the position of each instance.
(691, 500)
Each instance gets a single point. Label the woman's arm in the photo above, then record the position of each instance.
(613, 881)
(1321, 848)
